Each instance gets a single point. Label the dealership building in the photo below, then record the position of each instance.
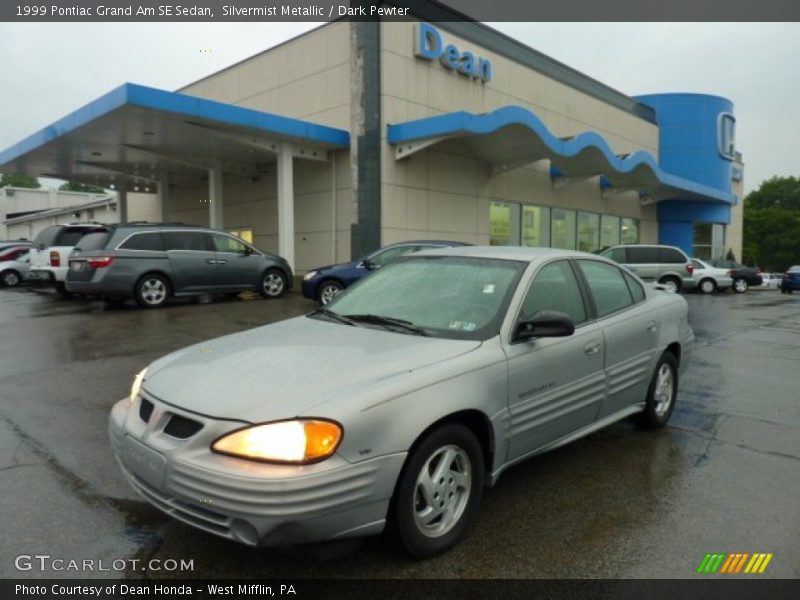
(357, 135)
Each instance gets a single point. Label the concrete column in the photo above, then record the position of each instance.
(286, 203)
(215, 207)
(122, 204)
(163, 195)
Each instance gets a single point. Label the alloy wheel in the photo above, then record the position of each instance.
(153, 291)
(442, 491)
(10, 278)
(273, 284)
(664, 390)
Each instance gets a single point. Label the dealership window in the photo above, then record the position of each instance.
(709, 241)
(609, 231)
(504, 224)
(535, 226)
(245, 234)
(588, 231)
(563, 231)
(629, 231)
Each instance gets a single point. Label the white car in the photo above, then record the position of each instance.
(15, 270)
(49, 256)
(771, 281)
(710, 279)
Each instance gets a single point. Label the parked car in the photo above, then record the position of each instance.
(323, 283)
(388, 404)
(791, 280)
(743, 277)
(771, 281)
(7, 245)
(14, 270)
(666, 265)
(13, 252)
(710, 279)
(152, 262)
(51, 249)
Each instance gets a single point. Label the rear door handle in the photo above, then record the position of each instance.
(651, 326)
(591, 348)
(221, 262)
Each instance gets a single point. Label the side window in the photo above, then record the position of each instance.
(616, 254)
(224, 243)
(384, 257)
(186, 240)
(636, 289)
(554, 287)
(671, 255)
(144, 241)
(608, 287)
(642, 255)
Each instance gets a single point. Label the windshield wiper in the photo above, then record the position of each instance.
(388, 322)
(332, 315)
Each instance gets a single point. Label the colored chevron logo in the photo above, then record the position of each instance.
(734, 563)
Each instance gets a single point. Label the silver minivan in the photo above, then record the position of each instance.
(666, 265)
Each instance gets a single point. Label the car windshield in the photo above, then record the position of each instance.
(441, 296)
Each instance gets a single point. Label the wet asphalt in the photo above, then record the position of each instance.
(724, 476)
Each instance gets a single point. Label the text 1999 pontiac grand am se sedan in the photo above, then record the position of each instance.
(404, 397)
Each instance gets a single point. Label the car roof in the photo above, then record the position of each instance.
(432, 242)
(506, 252)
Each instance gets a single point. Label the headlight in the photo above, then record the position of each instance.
(300, 441)
(309, 275)
(137, 384)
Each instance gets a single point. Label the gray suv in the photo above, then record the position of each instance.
(666, 265)
(152, 262)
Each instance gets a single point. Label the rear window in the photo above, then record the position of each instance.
(93, 241)
(795, 269)
(47, 235)
(671, 255)
(615, 254)
(642, 255)
(144, 241)
(70, 236)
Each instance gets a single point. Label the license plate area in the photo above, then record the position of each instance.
(147, 464)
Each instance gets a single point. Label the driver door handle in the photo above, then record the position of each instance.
(651, 326)
(592, 348)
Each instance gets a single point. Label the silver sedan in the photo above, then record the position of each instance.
(402, 399)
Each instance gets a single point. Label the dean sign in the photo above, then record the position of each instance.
(430, 46)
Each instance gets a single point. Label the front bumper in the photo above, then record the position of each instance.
(253, 503)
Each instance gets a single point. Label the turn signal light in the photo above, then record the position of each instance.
(55, 258)
(690, 268)
(101, 262)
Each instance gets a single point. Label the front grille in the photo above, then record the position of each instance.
(145, 410)
(181, 427)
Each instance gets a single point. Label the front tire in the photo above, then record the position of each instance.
(327, 290)
(661, 393)
(152, 291)
(707, 286)
(273, 283)
(739, 286)
(10, 278)
(439, 491)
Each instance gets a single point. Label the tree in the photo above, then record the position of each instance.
(772, 224)
(17, 180)
(74, 186)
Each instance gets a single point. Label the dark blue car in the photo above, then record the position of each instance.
(324, 283)
(791, 280)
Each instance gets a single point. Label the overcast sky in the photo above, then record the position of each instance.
(48, 70)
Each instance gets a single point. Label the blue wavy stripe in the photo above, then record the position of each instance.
(466, 123)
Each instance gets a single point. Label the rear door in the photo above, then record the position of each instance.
(630, 333)
(556, 385)
(192, 260)
(238, 266)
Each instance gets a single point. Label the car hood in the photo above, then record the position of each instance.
(285, 369)
(338, 266)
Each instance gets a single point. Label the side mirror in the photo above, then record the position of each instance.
(368, 264)
(545, 323)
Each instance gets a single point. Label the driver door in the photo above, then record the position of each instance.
(556, 385)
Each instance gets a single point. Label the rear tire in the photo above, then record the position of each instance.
(740, 286)
(10, 278)
(661, 393)
(673, 284)
(61, 289)
(152, 291)
(439, 491)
